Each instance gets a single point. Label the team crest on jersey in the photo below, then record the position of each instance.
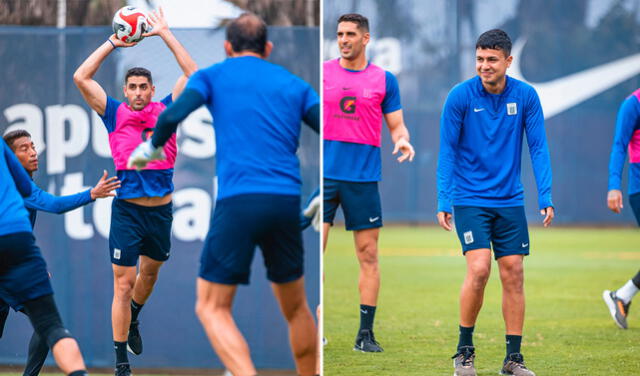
(366, 93)
(512, 109)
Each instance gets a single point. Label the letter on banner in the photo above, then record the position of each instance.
(61, 147)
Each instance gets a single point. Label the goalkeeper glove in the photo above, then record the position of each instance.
(143, 154)
(311, 214)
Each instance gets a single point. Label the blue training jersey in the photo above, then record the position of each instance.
(14, 184)
(144, 183)
(44, 201)
(257, 108)
(481, 146)
(627, 135)
(348, 161)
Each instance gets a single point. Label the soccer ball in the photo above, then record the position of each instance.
(129, 23)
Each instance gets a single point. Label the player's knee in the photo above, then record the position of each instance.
(46, 320)
(479, 276)
(368, 255)
(123, 288)
(149, 276)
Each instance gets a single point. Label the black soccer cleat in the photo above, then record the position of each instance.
(123, 369)
(134, 341)
(366, 342)
(617, 308)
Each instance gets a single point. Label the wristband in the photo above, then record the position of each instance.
(114, 46)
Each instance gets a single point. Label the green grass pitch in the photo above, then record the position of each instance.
(568, 330)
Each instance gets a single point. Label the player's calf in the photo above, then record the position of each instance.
(46, 321)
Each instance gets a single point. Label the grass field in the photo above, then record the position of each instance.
(568, 330)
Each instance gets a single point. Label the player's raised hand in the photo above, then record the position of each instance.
(105, 186)
(404, 147)
(157, 22)
(548, 213)
(143, 154)
(614, 200)
(444, 220)
(118, 43)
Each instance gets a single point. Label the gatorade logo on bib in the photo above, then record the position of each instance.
(348, 105)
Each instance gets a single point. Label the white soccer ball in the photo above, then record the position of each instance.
(129, 23)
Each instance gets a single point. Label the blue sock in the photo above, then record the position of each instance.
(367, 314)
(135, 310)
(466, 336)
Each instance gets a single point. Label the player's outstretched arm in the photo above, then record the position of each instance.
(44, 201)
(399, 136)
(91, 91)
(187, 64)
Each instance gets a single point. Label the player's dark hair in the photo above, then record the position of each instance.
(138, 71)
(247, 33)
(495, 39)
(10, 137)
(358, 19)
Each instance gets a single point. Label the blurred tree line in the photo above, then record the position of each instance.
(100, 12)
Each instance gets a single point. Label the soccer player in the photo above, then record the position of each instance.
(257, 108)
(357, 96)
(627, 135)
(142, 212)
(483, 122)
(23, 147)
(24, 281)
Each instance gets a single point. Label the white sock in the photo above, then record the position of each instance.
(626, 292)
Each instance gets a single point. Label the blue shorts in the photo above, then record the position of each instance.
(139, 230)
(634, 199)
(239, 224)
(23, 272)
(360, 203)
(504, 228)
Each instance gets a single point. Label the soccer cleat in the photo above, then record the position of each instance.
(366, 342)
(134, 341)
(617, 308)
(515, 366)
(123, 369)
(463, 361)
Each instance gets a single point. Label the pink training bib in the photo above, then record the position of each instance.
(134, 127)
(352, 103)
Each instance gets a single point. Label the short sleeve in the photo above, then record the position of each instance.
(199, 82)
(391, 101)
(167, 100)
(109, 117)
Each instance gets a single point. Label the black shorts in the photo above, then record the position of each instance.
(23, 271)
(360, 203)
(239, 224)
(139, 230)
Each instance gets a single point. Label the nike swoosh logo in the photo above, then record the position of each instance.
(346, 88)
(364, 311)
(561, 94)
(524, 244)
(478, 109)
(373, 219)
